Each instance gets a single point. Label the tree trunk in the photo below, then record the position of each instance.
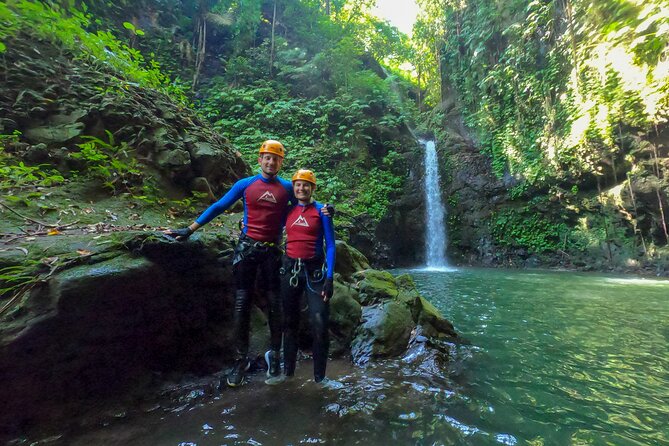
(200, 50)
(271, 50)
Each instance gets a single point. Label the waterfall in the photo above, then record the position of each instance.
(435, 229)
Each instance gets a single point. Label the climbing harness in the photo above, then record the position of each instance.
(299, 266)
(247, 247)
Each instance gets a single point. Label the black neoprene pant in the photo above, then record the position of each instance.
(309, 282)
(266, 262)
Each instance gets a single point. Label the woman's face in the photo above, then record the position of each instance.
(303, 190)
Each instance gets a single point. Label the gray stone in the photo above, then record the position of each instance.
(170, 159)
(385, 331)
(345, 313)
(54, 134)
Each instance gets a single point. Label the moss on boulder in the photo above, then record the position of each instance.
(385, 331)
(375, 286)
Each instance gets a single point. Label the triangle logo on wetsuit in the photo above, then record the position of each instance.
(300, 221)
(268, 196)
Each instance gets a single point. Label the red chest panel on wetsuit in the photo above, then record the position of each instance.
(304, 232)
(266, 205)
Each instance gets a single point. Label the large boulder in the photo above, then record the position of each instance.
(349, 260)
(392, 308)
(385, 331)
(111, 321)
(345, 314)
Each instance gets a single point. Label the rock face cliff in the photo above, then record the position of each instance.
(55, 101)
(613, 221)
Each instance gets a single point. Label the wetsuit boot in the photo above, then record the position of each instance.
(273, 360)
(236, 375)
(240, 323)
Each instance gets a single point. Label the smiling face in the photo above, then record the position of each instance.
(303, 191)
(270, 164)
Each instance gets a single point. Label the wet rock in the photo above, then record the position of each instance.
(345, 313)
(433, 323)
(408, 294)
(385, 331)
(112, 322)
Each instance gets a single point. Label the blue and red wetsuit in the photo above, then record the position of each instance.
(307, 229)
(265, 205)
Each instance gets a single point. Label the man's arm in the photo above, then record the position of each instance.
(235, 193)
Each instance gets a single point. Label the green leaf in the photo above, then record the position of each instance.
(3, 48)
(128, 25)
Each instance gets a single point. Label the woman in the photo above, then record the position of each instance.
(305, 270)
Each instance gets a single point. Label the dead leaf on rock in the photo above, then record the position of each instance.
(53, 232)
(49, 260)
(84, 252)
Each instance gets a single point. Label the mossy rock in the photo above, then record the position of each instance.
(384, 332)
(349, 260)
(408, 294)
(345, 313)
(433, 323)
(375, 286)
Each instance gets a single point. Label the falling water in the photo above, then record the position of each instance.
(435, 237)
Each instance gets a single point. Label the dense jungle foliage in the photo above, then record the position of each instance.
(570, 100)
(567, 99)
(300, 72)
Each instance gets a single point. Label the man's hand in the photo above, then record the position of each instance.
(329, 210)
(180, 235)
(328, 289)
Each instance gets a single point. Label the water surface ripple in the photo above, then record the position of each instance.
(561, 358)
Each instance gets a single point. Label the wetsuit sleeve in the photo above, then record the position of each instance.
(235, 193)
(330, 249)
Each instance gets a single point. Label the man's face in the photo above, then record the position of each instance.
(270, 164)
(303, 190)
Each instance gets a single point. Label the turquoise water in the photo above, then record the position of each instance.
(553, 359)
(558, 358)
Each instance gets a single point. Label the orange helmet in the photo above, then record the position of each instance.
(274, 147)
(305, 175)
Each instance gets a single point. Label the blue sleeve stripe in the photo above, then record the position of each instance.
(235, 193)
(330, 250)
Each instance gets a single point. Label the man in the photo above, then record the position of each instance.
(266, 197)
